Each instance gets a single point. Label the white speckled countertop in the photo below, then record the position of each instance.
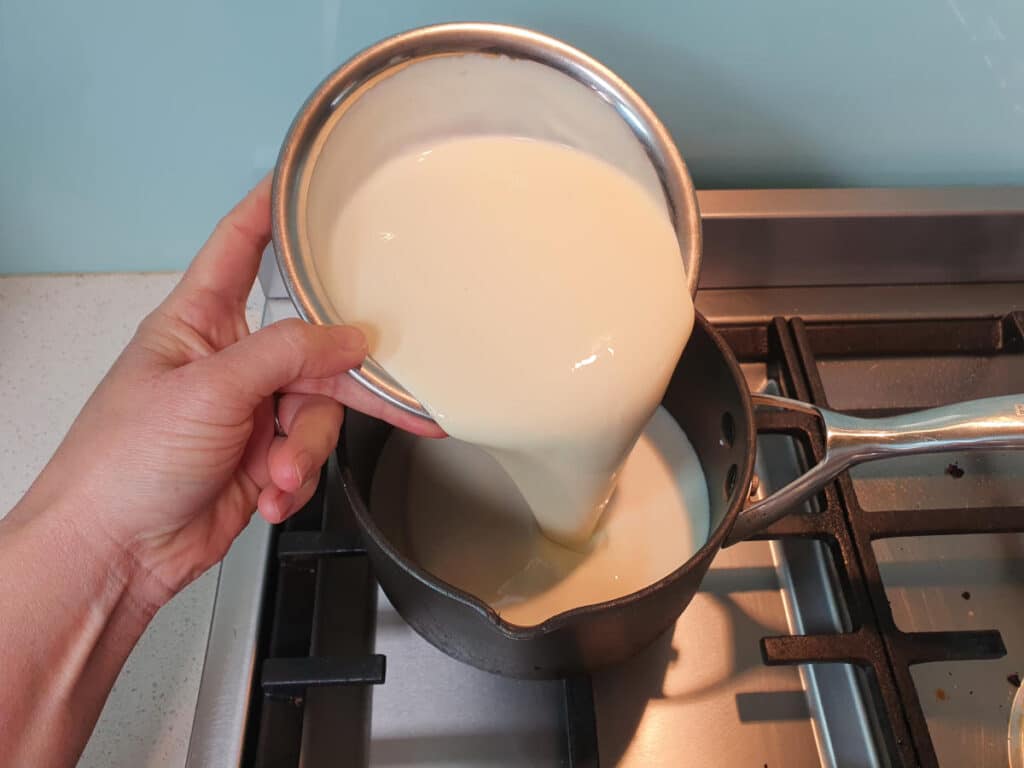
(58, 336)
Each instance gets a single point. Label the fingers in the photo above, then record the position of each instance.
(227, 264)
(269, 360)
(312, 424)
(276, 506)
(347, 390)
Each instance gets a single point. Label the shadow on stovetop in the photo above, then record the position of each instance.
(643, 678)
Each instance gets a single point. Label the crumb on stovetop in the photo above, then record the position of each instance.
(954, 470)
(1013, 680)
(965, 595)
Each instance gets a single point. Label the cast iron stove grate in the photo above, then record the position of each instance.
(874, 643)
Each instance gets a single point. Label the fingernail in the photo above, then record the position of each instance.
(274, 505)
(284, 506)
(349, 337)
(303, 466)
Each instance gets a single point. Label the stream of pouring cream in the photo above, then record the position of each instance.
(530, 295)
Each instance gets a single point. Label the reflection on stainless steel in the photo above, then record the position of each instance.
(888, 302)
(992, 423)
(223, 703)
(866, 383)
(865, 202)
(845, 237)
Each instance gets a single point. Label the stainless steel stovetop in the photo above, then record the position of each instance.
(703, 696)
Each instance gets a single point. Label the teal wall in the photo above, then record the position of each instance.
(127, 127)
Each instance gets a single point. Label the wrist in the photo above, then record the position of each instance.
(66, 529)
(71, 615)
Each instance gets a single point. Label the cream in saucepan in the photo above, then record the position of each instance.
(466, 523)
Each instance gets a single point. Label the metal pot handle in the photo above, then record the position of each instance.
(993, 423)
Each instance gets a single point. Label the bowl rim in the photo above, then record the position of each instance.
(300, 150)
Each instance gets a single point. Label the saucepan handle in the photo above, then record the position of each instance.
(994, 423)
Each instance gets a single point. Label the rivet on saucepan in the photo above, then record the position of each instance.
(755, 486)
(730, 481)
(728, 430)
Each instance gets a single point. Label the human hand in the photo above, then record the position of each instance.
(177, 446)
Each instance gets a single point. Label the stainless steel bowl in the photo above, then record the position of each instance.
(341, 102)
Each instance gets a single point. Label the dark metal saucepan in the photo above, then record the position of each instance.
(709, 399)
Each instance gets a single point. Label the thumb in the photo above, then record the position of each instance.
(258, 365)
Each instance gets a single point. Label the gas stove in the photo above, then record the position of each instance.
(879, 625)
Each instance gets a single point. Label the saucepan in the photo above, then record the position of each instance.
(351, 123)
(709, 399)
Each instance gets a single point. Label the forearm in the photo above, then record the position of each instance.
(68, 620)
